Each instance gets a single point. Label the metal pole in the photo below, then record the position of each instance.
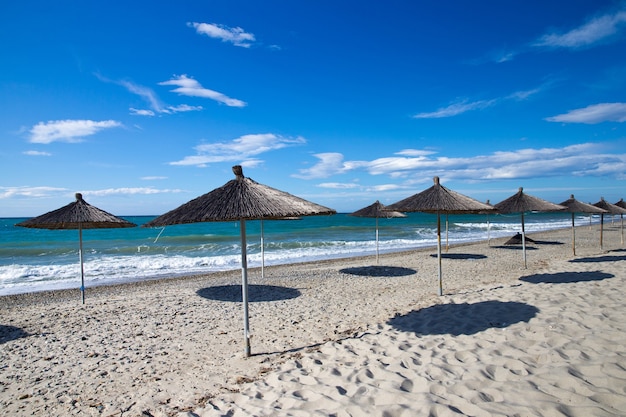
(80, 256)
(573, 236)
(439, 253)
(244, 287)
(601, 228)
(523, 240)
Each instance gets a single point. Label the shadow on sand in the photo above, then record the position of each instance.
(467, 319)
(605, 258)
(256, 293)
(459, 256)
(566, 277)
(8, 333)
(379, 271)
(514, 247)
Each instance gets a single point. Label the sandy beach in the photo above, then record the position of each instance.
(337, 338)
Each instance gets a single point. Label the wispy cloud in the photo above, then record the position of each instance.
(463, 106)
(237, 36)
(190, 87)
(71, 131)
(131, 191)
(596, 30)
(580, 159)
(596, 113)
(156, 106)
(153, 178)
(146, 93)
(38, 192)
(339, 185)
(37, 153)
(456, 108)
(241, 149)
(141, 112)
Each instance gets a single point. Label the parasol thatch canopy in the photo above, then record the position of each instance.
(439, 199)
(574, 206)
(77, 215)
(521, 202)
(241, 199)
(609, 208)
(621, 203)
(377, 210)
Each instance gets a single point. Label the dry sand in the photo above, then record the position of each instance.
(336, 338)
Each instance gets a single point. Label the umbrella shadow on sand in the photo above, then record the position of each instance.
(605, 258)
(467, 319)
(8, 333)
(256, 293)
(379, 271)
(459, 256)
(566, 277)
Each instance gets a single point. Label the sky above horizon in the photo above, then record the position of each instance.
(145, 105)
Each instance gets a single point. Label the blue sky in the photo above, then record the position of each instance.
(145, 105)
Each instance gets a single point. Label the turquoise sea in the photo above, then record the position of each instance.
(38, 259)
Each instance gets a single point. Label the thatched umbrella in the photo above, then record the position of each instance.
(574, 206)
(610, 209)
(377, 210)
(77, 215)
(521, 203)
(241, 199)
(439, 199)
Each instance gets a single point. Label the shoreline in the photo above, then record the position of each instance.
(95, 289)
(174, 347)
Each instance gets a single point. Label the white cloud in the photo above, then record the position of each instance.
(130, 191)
(594, 31)
(68, 130)
(153, 178)
(146, 93)
(463, 106)
(580, 159)
(37, 153)
(9, 192)
(595, 113)
(455, 109)
(189, 87)
(339, 185)
(181, 108)
(240, 149)
(330, 163)
(141, 112)
(237, 36)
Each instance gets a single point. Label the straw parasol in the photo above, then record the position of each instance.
(77, 215)
(610, 209)
(574, 206)
(439, 199)
(241, 199)
(377, 209)
(521, 202)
